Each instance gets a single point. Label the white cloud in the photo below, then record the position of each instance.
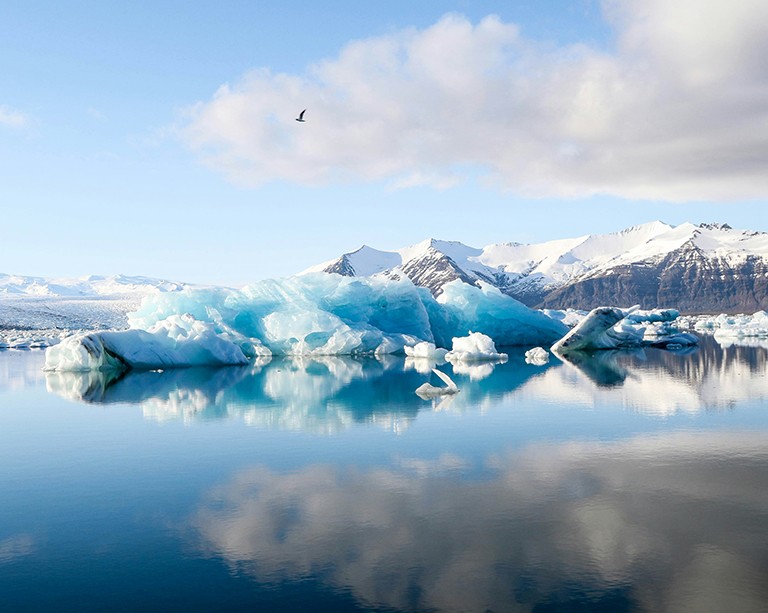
(11, 118)
(678, 112)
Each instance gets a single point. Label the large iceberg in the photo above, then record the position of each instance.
(314, 314)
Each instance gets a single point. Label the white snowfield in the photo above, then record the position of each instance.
(38, 312)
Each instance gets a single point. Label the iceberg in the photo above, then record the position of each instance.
(615, 328)
(179, 340)
(309, 315)
(597, 331)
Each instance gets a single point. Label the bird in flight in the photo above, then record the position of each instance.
(301, 116)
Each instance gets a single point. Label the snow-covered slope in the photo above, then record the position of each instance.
(694, 266)
(38, 309)
(113, 286)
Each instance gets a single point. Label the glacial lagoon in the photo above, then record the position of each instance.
(619, 481)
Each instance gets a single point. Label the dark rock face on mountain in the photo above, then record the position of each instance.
(342, 267)
(686, 279)
(433, 270)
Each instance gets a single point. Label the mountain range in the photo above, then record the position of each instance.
(704, 268)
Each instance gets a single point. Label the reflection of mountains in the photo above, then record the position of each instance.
(661, 523)
(657, 381)
(317, 394)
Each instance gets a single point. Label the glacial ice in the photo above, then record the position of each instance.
(613, 328)
(740, 326)
(178, 340)
(475, 347)
(427, 390)
(538, 356)
(314, 314)
(425, 350)
(597, 331)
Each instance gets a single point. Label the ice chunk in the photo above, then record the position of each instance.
(537, 356)
(598, 331)
(740, 326)
(428, 391)
(425, 350)
(673, 341)
(175, 341)
(474, 348)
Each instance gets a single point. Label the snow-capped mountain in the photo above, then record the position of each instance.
(696, 268)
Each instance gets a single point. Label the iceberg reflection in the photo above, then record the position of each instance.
(658, 382)
(650, 523)
(329, 394)
(317, 394)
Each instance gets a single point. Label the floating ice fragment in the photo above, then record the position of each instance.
(538, 356)
(597, 331)
(427, 390)
(425, 350)
(474, 348)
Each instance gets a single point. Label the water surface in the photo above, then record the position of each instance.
(619, 482)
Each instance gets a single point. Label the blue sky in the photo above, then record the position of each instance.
(158, 138)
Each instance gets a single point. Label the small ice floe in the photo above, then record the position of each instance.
(476, 347)
(428, 390)
(425, 350)
(740, 326)
(538, 356)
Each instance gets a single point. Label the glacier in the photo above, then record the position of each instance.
(309, 315)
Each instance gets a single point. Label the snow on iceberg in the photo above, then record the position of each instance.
(314, 314)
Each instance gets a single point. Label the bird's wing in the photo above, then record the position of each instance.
(301, 115)
(446, 379)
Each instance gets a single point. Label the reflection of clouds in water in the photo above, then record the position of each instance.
(658, 519)
(15, 547)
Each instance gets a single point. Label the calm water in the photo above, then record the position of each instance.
(624, 482)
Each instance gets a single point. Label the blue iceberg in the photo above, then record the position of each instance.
(309, 315)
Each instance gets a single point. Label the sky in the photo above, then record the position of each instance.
(158, 138)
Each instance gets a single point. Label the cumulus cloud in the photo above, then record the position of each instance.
(677, 111)
(12, 118)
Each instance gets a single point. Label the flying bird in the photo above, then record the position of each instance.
(301, 116)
